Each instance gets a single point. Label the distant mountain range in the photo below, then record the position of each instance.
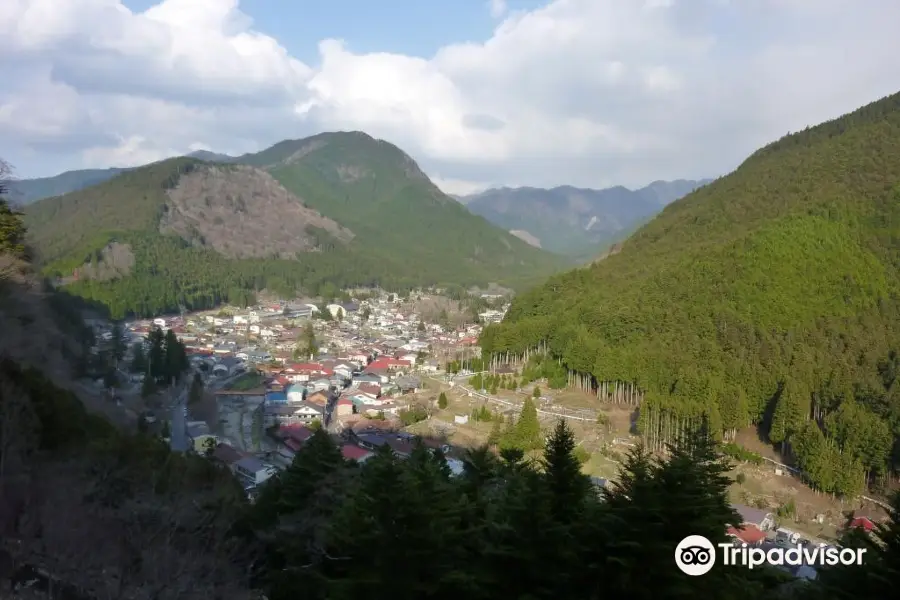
(26, 191)
(576, 222)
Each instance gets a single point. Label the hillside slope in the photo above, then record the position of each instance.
(767, 296)
(26, 191)
(573, 221)
(379, 192)
(330, 211)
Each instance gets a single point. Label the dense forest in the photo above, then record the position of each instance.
(406, 233)
(769, 297)
(168, 526)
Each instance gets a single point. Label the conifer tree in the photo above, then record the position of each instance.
(569, 487)
(528, 428)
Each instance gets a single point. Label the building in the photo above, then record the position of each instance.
(344, 407)
(273, 397)
(354, 452)
(762, 520)
(200, 436)
(292, 414)
(296, 393)
(252, 470)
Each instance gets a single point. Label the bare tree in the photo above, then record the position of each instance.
(138, 527)
(5, 176)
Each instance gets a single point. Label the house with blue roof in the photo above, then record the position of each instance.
(276, 397)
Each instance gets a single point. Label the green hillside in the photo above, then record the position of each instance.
(403, 231)
(373, 188)
(769, 296)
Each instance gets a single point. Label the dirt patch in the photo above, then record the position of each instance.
(526, 237)
(749, 438)
(308, 148)
(114, 261)
(243, 212)
(351, 173)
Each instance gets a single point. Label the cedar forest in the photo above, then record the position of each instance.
(770, 297)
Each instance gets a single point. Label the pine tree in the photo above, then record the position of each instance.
(569, 487)
(156, 357)
(496, 433)
(148, 386)
(175, 358)
(195, 395)
(139, 359)
(528, 428)
(118, 346)
(442, 401)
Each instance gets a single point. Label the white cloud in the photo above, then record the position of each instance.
(584, 92)
(497, 8)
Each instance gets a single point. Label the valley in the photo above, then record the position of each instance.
(579, 223)
(552, 300)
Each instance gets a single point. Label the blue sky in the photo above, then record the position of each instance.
(590, 93)
(414, 27)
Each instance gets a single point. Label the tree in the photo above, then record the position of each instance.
(110, 378)
(528, 428)
(420, 327)
(496, 433)
(568, 485)
(442, 401)
(139, 359)
(365, 313)
(12, 228)
(156, 359)
(195, 394)
(536, 393)
(307, 345)
(148, 386)
(175, 358)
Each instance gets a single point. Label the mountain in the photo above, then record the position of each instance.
(26, 191)
(766, 297)
(211, 156)
(329, 211)
(572, 221)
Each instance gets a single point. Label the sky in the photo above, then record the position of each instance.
(481, 93)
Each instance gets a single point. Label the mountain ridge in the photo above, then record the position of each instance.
(577, 222)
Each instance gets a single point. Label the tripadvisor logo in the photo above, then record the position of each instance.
(696, 555)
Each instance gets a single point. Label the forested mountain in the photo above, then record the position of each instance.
(174, 526)
(332, 210)
(573, 221)
(26, 191)
(770, 296)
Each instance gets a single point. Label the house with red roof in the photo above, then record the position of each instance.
(354, 452)
(748, 534)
